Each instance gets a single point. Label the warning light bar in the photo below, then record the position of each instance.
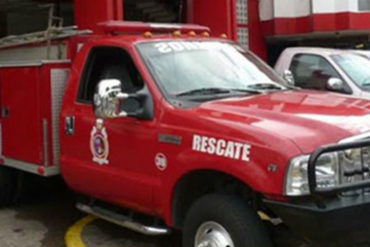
(121, 27)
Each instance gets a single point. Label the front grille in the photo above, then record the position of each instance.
(354, 171)
(352, 174)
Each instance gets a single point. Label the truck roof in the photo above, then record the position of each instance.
(119, 39)
(116, 27)
(134, 32)
(315, 50)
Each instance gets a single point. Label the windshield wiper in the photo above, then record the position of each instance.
(246, 90)
(265, 86)
(204, 91)
(215, 90)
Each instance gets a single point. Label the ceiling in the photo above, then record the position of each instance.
(25, 16)
(9, 6)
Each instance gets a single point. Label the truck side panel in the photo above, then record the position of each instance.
(20, 101)
(30, 101)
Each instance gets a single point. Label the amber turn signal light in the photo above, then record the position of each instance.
(205, 34)
(176, 34)
(192, 34)
(148, 35)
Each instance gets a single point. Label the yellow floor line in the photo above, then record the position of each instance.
(73, 236)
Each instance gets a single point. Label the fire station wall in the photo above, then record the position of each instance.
(90, 12)
(277, 19)
(333, 6)
(257, 41)
(19, 17)
(160, 11)
(223, 17)
(340, 15)
(218, 15)
(308, 16)
(297, 8)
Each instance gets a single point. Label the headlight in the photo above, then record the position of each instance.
(327, 174)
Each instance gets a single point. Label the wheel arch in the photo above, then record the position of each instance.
(197, 183)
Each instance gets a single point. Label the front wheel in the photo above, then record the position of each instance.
(223, 221)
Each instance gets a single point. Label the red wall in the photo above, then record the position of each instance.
(90, 12)
(257, 42)
(343, 21)
(218, 15)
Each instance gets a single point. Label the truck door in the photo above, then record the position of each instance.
(110, 159)
(311, 71)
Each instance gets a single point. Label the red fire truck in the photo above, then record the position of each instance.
(161, 127)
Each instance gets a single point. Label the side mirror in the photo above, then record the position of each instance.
(335, 84)
(111, 102)
(288, 77)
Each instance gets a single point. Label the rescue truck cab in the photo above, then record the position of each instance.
(191, 133)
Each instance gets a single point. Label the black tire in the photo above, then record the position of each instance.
(8, 178)
(241, 223)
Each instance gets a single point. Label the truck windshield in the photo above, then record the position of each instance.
(195, 68)
(356, 67)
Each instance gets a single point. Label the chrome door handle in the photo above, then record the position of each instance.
(70, 125)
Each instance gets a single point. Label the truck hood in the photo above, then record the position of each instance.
(310, 119)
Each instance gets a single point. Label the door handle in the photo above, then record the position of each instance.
(5, 112)
(69, 125)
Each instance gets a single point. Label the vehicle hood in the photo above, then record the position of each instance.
(365, 95)
(310, 119)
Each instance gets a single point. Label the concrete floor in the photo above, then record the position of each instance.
(101, 233)
(47, 210)
(40, 218)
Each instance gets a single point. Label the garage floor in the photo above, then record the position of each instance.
(43, 216)
(46, 212)
(101, 233)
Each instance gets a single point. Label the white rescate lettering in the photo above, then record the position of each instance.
(220, 150)
(212, 145)
(196, 142)
(220, 147)
(246, 152)
(203, 147)
(238, 147)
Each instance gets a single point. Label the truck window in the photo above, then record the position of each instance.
(356, 67)
(185, 66)
(108, 63)
(312, 71)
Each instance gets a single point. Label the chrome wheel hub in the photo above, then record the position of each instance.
(212, 234)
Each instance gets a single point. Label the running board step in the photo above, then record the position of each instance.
(122, 220)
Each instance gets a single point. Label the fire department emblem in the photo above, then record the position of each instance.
(99, 145)
(161, 161)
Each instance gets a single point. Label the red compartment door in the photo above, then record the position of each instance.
(21, 123)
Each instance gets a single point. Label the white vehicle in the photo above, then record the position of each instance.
(364, 53)
(326, 69)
